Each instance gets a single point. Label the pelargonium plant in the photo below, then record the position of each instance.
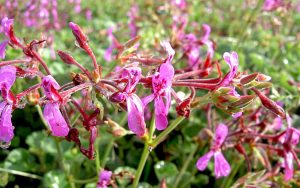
(202, 81)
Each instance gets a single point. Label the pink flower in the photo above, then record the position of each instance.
(222, 167)
(135, 109)
(161, 88)
(181, 4)
(232, 60)
(114, 44)
(52, 114)
(133, 15)
(104, 179)
(6, 127)
(270, 5)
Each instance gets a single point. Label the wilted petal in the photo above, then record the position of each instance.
(136, 122)
(222, 167)
(6, 127)
(50, 87)
(3, 48)
(55, 120)
(104, 179)
(7, 77)
(288, 166)
(220, 135)
(203, 161)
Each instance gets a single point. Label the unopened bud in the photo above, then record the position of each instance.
(248, 79)
(269, 104)
(116, 129)
(80, 36)
(65, 57)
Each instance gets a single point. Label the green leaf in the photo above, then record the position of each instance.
(126, 178)
(54, 179)
(40, 141)
(165, 170)
(21, 160)
(3, 179)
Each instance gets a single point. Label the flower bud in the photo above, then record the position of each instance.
(79, 35)
(65, 57)
(116, 129)
(269, 104)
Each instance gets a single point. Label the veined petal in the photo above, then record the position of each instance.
(136, 122)
(3, 49)
(220, 135)
(55, 120)
(288, 166)
(161, 120)
(7, 77)
(203, 161)
(50, 87)
(6, 127)
(222, 167)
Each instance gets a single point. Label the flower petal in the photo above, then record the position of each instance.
(6, 127)
(50, 87)
(55, 120)
(289, 168)
(136, 122)
(220, 135)
(203, 161)
(3, 48)
(222, 167)
(104, 179)
(161, 120)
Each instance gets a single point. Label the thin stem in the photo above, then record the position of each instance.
(184, 167)
(40, 112)
(69, 92)
(12, 62)
(37, 57)
(145, 154)
(163, 134)
(107, 151)
(25, 92)
(85, 181)
(20, 173)
(140, 168)
(195, 85)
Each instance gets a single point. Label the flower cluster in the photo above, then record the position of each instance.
(231, 93)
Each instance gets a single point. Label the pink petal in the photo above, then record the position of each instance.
(136, 122)
(289, 168)
(161, 120)
(55, 120)
(203, 161)
(220, 134)
(6, 127)
(222, 167)
(146, 100)
(3, 48)
(50, 87)
(104, 179)
(7, 76)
